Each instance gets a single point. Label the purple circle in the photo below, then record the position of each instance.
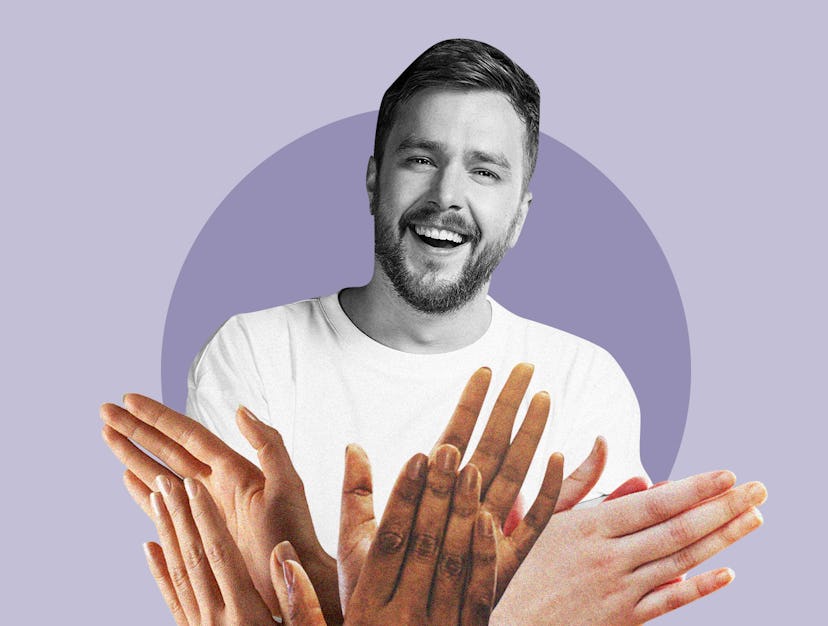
(298, 226)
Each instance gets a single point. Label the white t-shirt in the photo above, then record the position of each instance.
(308, 371)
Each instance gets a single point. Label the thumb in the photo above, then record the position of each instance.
(270, 448)
(357, 525)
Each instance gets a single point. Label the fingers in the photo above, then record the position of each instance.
(139, 492)
(580, 482)
(462, 422)
(498, 433)
(454, 558)
(136, 461)
(713, 516)
(479, 597)
(379, 574)
(674, 565)
(677, 595)
(174, 560)
(195, 559)
(638, 511)
(429, 526)
(514, 548)
(158, 568)
(225, 559)
(283, 551)
(294, 588)
(357, 526)
(175, 456)
(505, 487)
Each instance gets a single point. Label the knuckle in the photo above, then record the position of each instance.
(673, 601)
(680, 531)
(390, 541)
(656, 506)
(684, 560)
(452, 566)
(218, 553)
(193, 556)
(179, 577)
(425, 545)
(409, 491)
(479, 607)
(484, 558)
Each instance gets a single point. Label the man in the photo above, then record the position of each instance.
(383, 364)
(448, 186)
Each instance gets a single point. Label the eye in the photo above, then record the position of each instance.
(483, 173)
(419, 161)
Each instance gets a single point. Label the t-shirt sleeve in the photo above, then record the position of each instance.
(608, 407)
(223, 376)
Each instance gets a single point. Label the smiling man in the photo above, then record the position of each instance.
(383, 364)
(448, 186)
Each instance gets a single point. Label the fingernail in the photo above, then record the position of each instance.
(164, 484)
(155, 501)
(757, 493)
(724, 479)
(247, 412)
(725, 576)
(484, 524)
(415, 467)
(290, 577)
(446, 458)
(759, 519)
(469, 479)
(191, 487)
(285, 552)
(146, 549)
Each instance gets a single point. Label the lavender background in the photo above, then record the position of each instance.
(123, 127)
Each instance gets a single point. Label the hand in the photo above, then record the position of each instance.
(261, 508)
(616, 563)
(198, 567)
(203, 577)
(502, 467)
(432, 535)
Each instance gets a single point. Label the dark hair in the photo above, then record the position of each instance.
(464, 64)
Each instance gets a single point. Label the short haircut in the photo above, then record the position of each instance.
(464, 64)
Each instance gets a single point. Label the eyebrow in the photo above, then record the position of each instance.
(412, 142)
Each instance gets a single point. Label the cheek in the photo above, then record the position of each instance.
(403, 188)
(495, 214)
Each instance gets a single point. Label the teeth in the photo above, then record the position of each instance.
(438, 233)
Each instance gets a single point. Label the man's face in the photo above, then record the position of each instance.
(449, 198)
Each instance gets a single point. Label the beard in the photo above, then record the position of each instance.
(426, 292)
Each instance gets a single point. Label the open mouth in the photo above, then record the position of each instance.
(438, 237)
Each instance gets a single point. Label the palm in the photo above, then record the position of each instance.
(261, 507)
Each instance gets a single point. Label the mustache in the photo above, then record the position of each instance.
(448, 219)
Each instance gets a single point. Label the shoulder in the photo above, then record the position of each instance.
(252, 336)
(542, 342)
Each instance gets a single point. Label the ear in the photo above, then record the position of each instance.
(371, 182)
(520, 218)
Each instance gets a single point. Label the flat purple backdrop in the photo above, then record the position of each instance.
(126, 124)
(298, 227)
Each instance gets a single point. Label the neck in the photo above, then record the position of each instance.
(379, 312)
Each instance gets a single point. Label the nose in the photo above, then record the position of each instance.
(448, 188)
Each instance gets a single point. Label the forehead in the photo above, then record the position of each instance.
(463, 120)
